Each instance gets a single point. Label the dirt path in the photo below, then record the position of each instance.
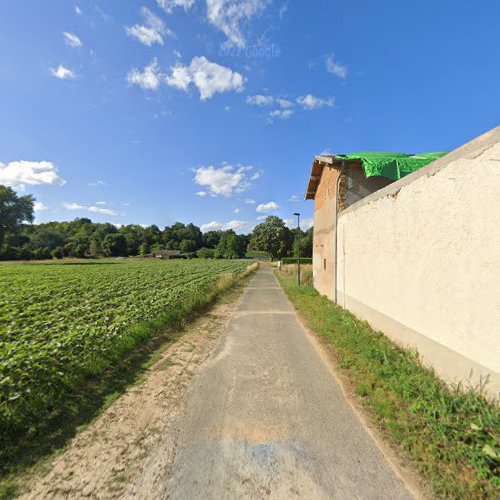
(262, 417)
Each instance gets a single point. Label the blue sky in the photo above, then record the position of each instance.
(210, 111)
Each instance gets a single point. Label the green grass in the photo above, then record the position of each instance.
(72, 337)
(257, 254)
(450, 434)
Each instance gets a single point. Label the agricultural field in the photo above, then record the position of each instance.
(61, 324)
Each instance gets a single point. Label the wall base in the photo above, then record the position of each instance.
(448, 364)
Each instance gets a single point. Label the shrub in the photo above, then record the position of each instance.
(294, 260)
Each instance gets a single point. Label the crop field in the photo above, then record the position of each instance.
(63, 323)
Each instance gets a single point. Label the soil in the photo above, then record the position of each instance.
(114, 456)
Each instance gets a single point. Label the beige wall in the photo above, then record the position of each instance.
(420, 260)
(324, 222)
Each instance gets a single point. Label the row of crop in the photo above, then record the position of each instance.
(83, 319)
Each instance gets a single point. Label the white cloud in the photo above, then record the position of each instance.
(305, 223)
(238, 225)
(235, 225)
(236, 211)
(282, 114)
(151, 31)
(39, 206)
(149, 79)
(19, 174)
(335, 68)
(201, 194)
(211, 226)
(180, 77)
(98, 183)
(294, 197)
(255, 176)
(208, 77)
(283, 10)
(249, 201)
(229, 15)
(169, 5)
(71, 39)
(267, 100)
(285, 103)
(100, 203)
(261, 217)
(310, 102)
(78, 10)
(265, 208)
(83, 208)
(260, 100)
(223, 181)
(63, 73)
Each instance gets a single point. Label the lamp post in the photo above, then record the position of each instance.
(298, 246)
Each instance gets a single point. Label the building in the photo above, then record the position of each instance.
(417, 257)
(339, 181)
(165, 254)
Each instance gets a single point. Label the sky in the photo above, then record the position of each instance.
(211, 111)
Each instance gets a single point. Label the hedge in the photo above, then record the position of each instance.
(293, 260)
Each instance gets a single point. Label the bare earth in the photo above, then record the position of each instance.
(242, 406)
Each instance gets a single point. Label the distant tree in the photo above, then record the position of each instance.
(95, 248)
(211, 238)
(57, 253)
(14, 210)
(153, 235)
(273, 237)
(306, 242)
(115, 245)
(231, 246)
(187, 246)
(205, 253)
(144, 249)
(77, 246)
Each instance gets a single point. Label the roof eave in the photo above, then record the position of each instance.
(319, 163)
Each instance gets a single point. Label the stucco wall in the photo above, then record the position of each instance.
(420, 260)
(324, 223)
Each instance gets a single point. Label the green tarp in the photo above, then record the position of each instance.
(391, 165)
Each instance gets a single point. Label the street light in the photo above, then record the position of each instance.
(298, 246)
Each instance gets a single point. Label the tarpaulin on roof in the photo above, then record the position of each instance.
(391, 165)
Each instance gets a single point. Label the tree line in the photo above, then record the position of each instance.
(20, 239)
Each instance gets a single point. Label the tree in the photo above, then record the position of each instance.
(205, 253)
(95, 248)
(144, 249)
(231, 246)
(273, 237)
(211, 238)
(57, 253)
(306, 242)
(187, 246)
(14, 210)
(115, 245)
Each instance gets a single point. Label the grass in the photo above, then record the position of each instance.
(24, 453)
(449, 434)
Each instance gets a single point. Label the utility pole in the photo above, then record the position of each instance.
(298, 246)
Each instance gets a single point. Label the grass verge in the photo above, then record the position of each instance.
(100, 385)
(450, 434)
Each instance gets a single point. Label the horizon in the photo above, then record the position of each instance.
(155, 111)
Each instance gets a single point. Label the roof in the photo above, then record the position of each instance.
(166, 252)
(393, 166)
